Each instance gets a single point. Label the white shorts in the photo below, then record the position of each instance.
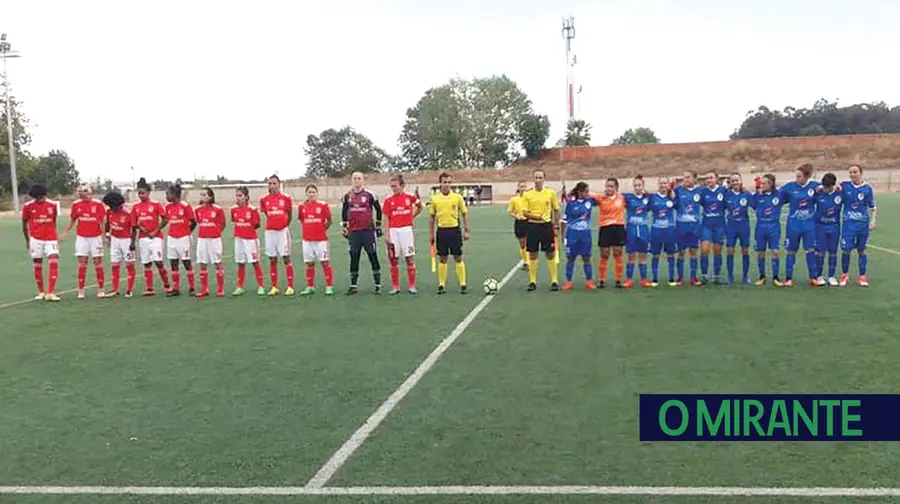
(178, 249)
(246, 251)
(278, 242)
(89, 246)
(315, 251)
(209, 250)
(403, 241)
(42, 248)
(120, 250)
(150, 250)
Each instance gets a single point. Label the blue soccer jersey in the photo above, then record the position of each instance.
(712, 202)
(637, 223)
(737, 218)
(768, 220)
(662, 231)
(858, 200)
(828, 220)
(689, 217)
(577, 217)
(801, 224)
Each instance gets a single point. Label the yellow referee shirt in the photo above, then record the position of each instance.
(447, 208)
(516, 207)
(541, 203)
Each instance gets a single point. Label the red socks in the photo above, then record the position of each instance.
(190, 277)
(411, 275)
(241, 275)
(116, 275)
(176, 278)
(220, 280)
(273, 273)
(289, 273)
(329, 275)
(164, 274)
(132, 275)
(204, 280)
(148, 278)
(101, 276)
(310, 275)
(259, 274)
(54, 274)
(39, 276)
(82, 275)
(395, 274)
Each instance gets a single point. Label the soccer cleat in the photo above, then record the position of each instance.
(173, 293)
(81, 294)
(129, 294)
(845, 279)
(776, 282)
(191, 292)
(646, 283)
(352, 290)
(718, 281)
(554, 287)
(274, 291)
(394, 292)
(289, 291)
(53, 298)
(567, 285)
(832, 282)
(863, 280)
(654, 284)
(524, 266)
(697, 282)
(202, 294)
(309, 291)
(532, 287)
(590, 285)
(463, 289)
(378, 289)
(619, 284)
(788, 283)
(101, 294)
(746, 281)
(673, 283)
(602, 284)
(238, 292)
(112, 294)
(679, 282)
(814, 282)
(220, 294)
(821, 282)
(40, 296)
(329, 290)
(260, 291)
(442, 289)
(149, 293)
(628, 284)
(413, 291)
(761, 281)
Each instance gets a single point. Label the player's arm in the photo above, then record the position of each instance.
(345, 214)
(419, 206)
(431, 218)
(220, 216)
(73, 219)
(192, 219)
(464, 211)
(290, 210)
(511, 209)
(387, 221)
(134, 231)
(379, 215)
(255, 219)
(25, 216)
(873, 211)
(555, 211)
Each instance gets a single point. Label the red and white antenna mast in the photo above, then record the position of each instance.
(568, 33)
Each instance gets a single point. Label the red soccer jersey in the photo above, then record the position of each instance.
(246, 221)
(180, 215)
(147, 216)
(276, 207)
(89, 215)
(210, 221)
(41, 218)
(400, 208)
(313, 216)
(119, 223)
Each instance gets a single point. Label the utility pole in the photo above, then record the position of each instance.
(568, 33)
(6, 52)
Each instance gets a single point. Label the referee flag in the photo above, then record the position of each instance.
(433, 254)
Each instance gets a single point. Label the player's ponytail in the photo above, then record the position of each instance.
(580, 188)
(142, 184)
(243, 190)
(114, 200)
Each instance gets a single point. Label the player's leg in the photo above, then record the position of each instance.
(51, 250)
(97, 252)
(773, 243)
(832, 244)
(819, 245)
(532, 244)
(372, 253)
(309, 260)
(570, 263)
(173, 254)
(731, 237)
(406, 245)
(257, 268)
(203, 260)
(442, 248)
(156, 246)
(791, 245)
(520, 230)
(812, 262)
(744, 240)
(718, 241)
(603, 239)
(393, 246)
(355, 254)
(760, 239)
(36, 251)
(82, 274)
(618, 252)
(147, 264)
(273, 255)
(848, 243)
(587, 265)
(862, 239)
(214, 251)
(241, 259)
(682, 240)
(188, 266)
(692, 243)
(284, 246)
(548, 245)
(656, 245)
(456, 249)
(631, 256)
(706, 236)
(643, 248)
(670, 247)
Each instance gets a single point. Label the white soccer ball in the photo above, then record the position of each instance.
(491, 286)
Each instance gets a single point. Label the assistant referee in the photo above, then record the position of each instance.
(445, 210)
(516, 210)
(542, 211)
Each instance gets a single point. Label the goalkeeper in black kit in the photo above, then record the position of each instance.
(361, 224)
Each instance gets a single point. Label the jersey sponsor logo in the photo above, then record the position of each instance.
(743, 202)
(363, 199)
(720, 197)
(247, 215)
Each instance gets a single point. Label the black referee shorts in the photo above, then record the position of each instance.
(539, 237)
(520, 228)
(448, 241)
(612, 236)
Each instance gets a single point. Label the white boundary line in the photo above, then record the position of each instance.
(460, 490)
(353, 443)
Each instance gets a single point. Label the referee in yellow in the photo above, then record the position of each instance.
(445, 210)
(542, 211)
(516, 210)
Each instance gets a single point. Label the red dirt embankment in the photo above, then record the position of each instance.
(825, 153)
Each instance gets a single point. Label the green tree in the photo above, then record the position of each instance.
(824, 118)
(578, 133)
(640, 135)
(21, 139)
(485, 122)
(55, 169)
(337, 153)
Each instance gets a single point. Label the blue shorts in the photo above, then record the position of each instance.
(578, 247)
(637, 239)
(688, 236)
(768, 236)
(663, 240)
(794, 237)
(713, 232)
(855, 236)
(827, 238)
(737, 232)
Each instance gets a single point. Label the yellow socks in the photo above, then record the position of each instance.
(461, 273)
(532, 270)
(554, 271)
(442, 273)
(523, 254)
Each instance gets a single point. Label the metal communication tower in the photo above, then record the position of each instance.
(568, 33)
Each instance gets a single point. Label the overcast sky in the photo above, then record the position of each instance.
(185, 88)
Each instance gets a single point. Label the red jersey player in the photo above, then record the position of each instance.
(210, 224)
(245, 218)
(118, 229)
(315, 219)
(148, 218)
(39, 227)
(278, 207)
(87, 214)
(178, 244)
(400, 209)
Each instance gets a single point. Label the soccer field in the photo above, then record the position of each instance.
(535, 389)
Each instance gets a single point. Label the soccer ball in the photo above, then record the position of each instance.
(491, 286)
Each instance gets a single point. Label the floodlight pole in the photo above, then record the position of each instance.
(6, 53)
(568, 33)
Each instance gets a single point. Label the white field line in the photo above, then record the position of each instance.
(353, 443)
(814, 492)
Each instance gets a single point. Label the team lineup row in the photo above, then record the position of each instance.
(693, 222)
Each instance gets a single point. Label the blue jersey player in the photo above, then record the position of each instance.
(662, 232)
(712, 237)
(859, 217)
(637, 231)
(576, 230)
(737, 227)
(767, 204)
(828, 228)
(688, 224)
(800, 196)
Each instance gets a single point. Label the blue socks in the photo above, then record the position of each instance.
(642, 268)
(671, 261)
(820, 264)
(629, 270)
(745, 266)
(845, 262)
(812, 264)
(832, 264)
(717, 265)
(863, 264)
(570, 269)
(680, 262)
(761, 265)
(693, 263)
(729, 266)
(654, 268)
(588, 270)
(789, 267)
(704, 265)
(776, 266)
